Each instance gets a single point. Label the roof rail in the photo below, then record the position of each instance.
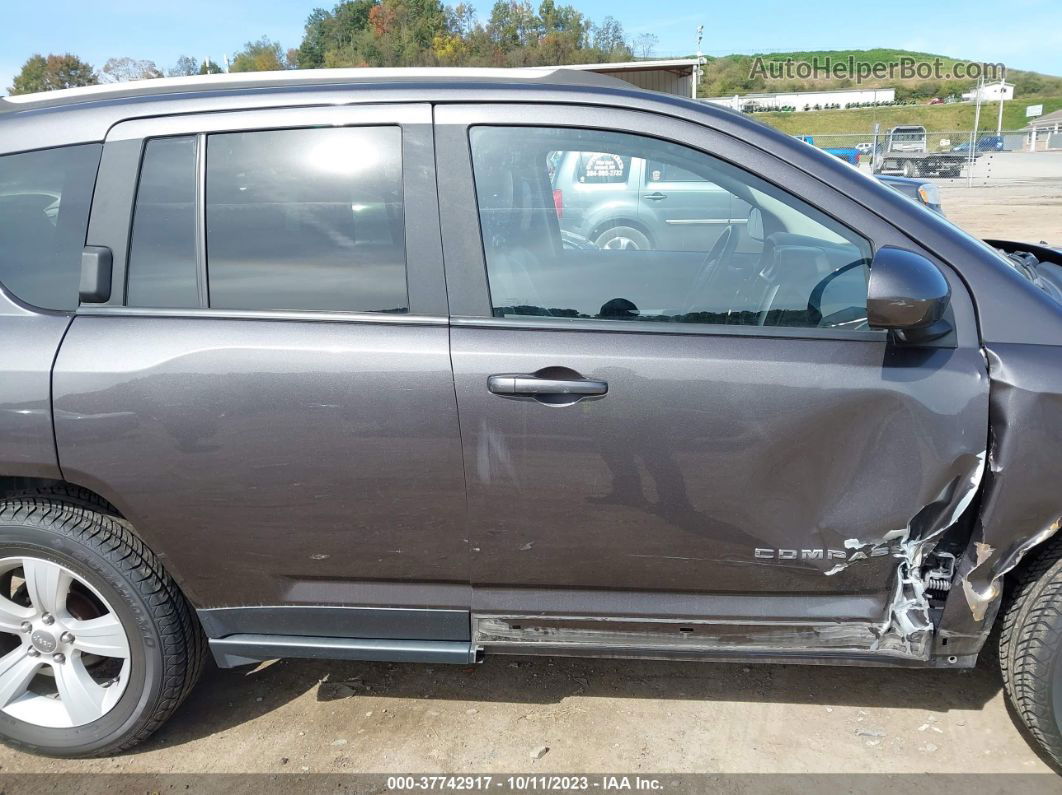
(238, 80)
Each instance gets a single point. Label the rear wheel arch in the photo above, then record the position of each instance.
(611, 223)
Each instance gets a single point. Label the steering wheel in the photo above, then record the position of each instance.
(711, 260)
(815, 299)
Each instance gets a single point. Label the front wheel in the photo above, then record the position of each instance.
(910, 169)
(97, 645)
(1030, 648)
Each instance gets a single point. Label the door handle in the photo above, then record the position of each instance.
(657, 196)
(524, 385)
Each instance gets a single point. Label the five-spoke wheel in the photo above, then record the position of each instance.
(67, 658)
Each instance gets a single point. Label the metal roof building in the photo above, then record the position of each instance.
(673, 76)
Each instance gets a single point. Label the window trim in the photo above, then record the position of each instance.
(466, 271)
(126, 142)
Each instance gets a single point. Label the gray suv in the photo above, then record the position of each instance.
(320, 365)
(617, 201)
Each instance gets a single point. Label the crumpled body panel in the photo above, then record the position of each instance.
(1020, 505)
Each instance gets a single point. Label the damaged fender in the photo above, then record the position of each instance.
(1020, 504)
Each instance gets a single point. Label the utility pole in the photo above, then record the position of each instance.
(700, 60)
(973, 134)
(1002, 92)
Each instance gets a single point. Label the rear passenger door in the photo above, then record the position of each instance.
(267, 394)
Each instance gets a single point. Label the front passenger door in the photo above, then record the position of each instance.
(685, 435)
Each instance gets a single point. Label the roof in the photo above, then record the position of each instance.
(1049, 120)
(307, 77)
(633, 66)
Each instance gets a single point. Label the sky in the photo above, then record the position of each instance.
(1023, 34)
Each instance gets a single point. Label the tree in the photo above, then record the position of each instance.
(40, 73)
(122, 70)
(645, 44)
(264, 55)
(608, 36)
(187, 66)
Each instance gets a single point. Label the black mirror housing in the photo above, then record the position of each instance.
(907, 294)
(95, 285)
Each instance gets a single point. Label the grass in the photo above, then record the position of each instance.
(958, 116)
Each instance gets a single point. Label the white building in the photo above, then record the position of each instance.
(673, 76)
(1045, 133)
(991, 92)
(802, 100)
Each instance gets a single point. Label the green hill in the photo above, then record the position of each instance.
(935, 118)
(732, 74)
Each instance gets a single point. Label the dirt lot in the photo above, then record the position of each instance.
(560, 715)
(1030, 211)
(1013, 196)
(592, 716)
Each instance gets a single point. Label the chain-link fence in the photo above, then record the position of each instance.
(1005, 184)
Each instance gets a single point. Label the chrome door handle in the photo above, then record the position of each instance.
(518, 385)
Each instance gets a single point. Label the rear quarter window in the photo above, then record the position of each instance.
(44, 209)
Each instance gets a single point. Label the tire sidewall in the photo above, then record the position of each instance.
(145, 644)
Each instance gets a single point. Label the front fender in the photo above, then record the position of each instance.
(1020, 504)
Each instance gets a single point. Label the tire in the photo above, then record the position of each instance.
(109, 572)
(623, 238)
(1030, 648)
(910, 169)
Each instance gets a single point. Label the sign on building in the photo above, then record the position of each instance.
(1034, 110)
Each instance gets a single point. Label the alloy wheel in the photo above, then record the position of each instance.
(67, 653)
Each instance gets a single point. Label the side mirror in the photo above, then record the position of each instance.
(907, 294)
(754, 227)
(95, 275)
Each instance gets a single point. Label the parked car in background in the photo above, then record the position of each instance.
(622, 202)
(905, 151)
(849, 154)
(629, 375)
(986, 143)
(922, 191)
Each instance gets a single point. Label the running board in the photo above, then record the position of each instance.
(234, 650)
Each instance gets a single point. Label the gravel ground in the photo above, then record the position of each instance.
(570, 715)
(565, 715)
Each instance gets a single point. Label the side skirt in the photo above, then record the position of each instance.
(235, 650)
(855, 642)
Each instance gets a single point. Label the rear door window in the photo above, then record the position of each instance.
(162, 250)
(296, 219)
(307, 219)
(44, 209)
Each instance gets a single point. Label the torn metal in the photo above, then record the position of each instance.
(907, 625)
(1019, 508)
